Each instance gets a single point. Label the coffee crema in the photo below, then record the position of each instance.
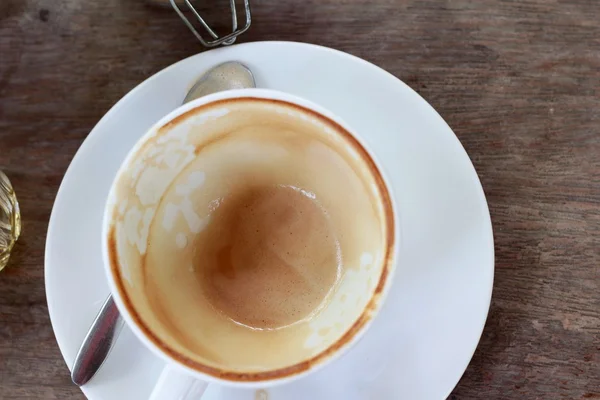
(269, 256)
(243, 232)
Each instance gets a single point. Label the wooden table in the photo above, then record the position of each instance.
(517, 80)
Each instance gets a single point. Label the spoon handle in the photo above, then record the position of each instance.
(97, 343)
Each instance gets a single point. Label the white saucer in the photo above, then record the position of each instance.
(424, 337)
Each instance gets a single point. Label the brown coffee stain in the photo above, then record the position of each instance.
(206, 144)
(226, 268)
(269, 257)
(387, 220)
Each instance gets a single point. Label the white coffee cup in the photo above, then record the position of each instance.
(152, 166)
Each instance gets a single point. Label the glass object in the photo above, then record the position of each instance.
(10, 219)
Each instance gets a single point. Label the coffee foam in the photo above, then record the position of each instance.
(239, 224)
(269, 257)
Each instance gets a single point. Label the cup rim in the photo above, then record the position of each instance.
(279, 375)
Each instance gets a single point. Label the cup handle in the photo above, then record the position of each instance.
(174, 384)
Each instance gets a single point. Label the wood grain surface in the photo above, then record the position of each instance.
(517, 80)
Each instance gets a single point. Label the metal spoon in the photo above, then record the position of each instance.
(108, 323)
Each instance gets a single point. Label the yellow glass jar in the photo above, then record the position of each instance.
(10, 219)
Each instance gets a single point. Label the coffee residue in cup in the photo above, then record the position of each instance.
(270, 258)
